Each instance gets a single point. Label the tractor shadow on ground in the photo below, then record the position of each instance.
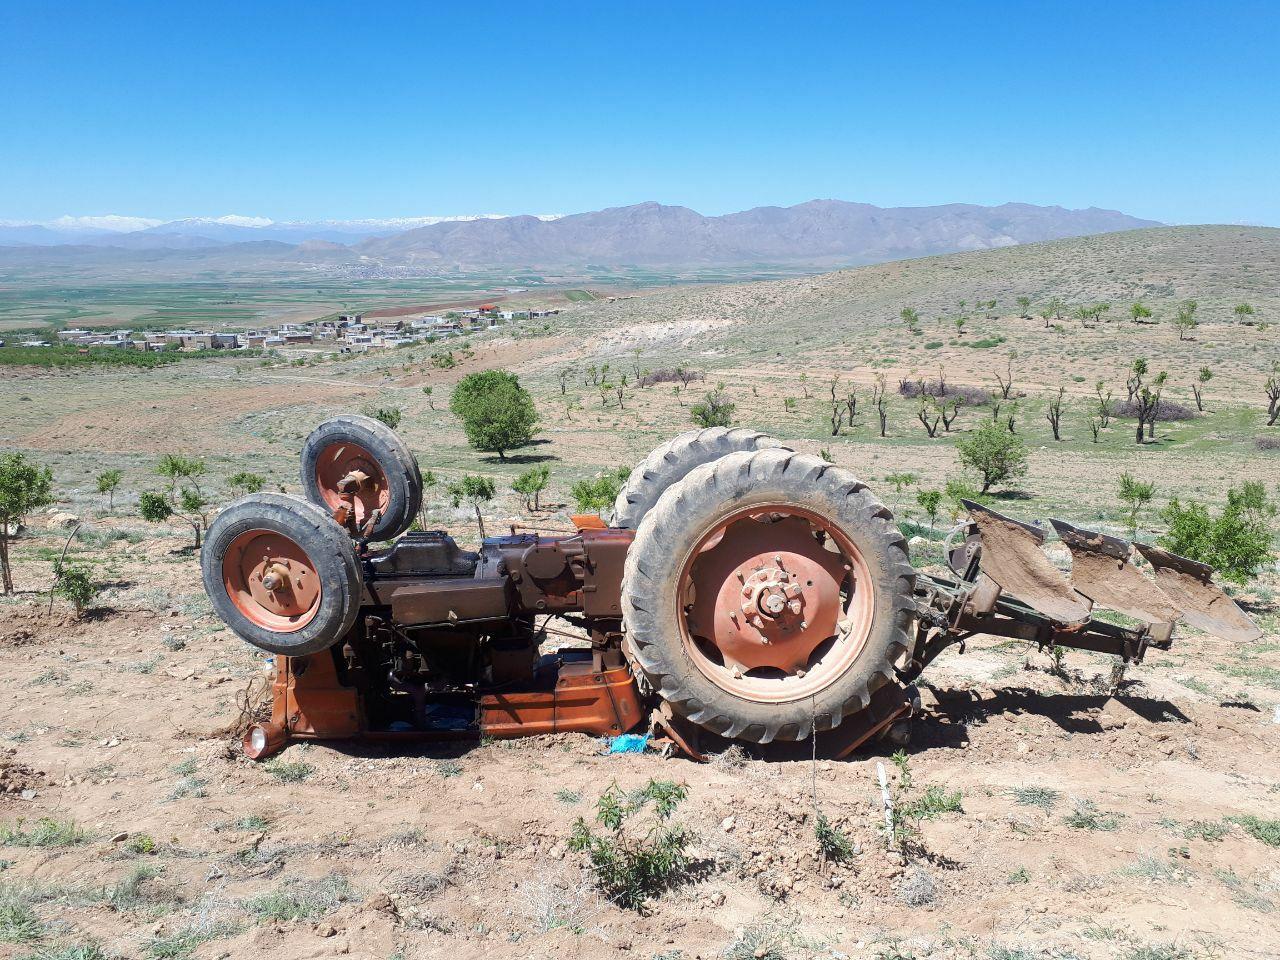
(957, 710)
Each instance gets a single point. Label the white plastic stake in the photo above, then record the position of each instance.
(887, 801)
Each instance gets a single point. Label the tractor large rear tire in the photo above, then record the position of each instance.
(353, 442)
(318, 583)
(673, 461)
(738, 499)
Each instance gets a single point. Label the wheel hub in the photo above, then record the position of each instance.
(271, 580)
(347, 470)
(766, 596)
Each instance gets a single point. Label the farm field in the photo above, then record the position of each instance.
(1140, 827)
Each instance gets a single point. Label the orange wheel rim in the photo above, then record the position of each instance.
(775, 603)
(339, 461)
(271, 580)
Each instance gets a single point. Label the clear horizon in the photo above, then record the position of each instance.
(1164, 111)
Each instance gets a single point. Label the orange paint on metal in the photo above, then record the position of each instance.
(583, 701)
(340, 461)
(271, 580)
(769, 611)
(589, 521)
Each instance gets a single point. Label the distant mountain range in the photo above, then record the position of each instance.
(822, 232)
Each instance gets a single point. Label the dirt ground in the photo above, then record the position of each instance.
(1089, 826)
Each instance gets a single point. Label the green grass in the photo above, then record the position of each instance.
(1041, 797)
(74, 952)
(299, 899)
(1210, 830)
(19, 923)
(46, 832)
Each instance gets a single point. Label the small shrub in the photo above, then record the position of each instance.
(1268, 831)
(1086, 816)
(1017, 877)
(289, 772)
(1169, 410)
(832, 842)
(141, 844)
(768, 939)
(1205, 830)
(599, 492)
(633, 859)
(714, 410)
(47, 832)
(1237, 542)
(391, 416)
(74, 582)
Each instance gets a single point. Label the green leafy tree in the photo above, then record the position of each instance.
(1139, 311)
(497, 413)
(995, 454)
(930, 501)
(1024, 307)
(108, 481)
(24, 486)
(475, 492)
(1197, 388)
(910, 317)
(176, 469)
(1242, 310)
(188, 504)
(245, 482)
(530, 485)
(600, 491)
(714, 410)
(1185, 319)
(426, 392)
(1237, 542)
(1136, 494)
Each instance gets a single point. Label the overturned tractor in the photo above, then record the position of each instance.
(744, 592)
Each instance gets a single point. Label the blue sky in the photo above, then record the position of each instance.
(309, 110)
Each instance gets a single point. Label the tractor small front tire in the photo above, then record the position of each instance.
(281, 574)
(672, 462)
(706, 555)
(393, 484)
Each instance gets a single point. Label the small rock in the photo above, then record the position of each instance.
(728, 823)
(326, 930)
(120, 837)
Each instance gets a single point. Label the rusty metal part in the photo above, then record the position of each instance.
(448, 601)
(1011, 556)
(1189, 586)
(271, 580)
(584, 700)
(773, 613)
(1101, 571)
(350, 477)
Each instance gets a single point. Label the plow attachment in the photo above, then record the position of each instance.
(1102, 575)
(1189, 586)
